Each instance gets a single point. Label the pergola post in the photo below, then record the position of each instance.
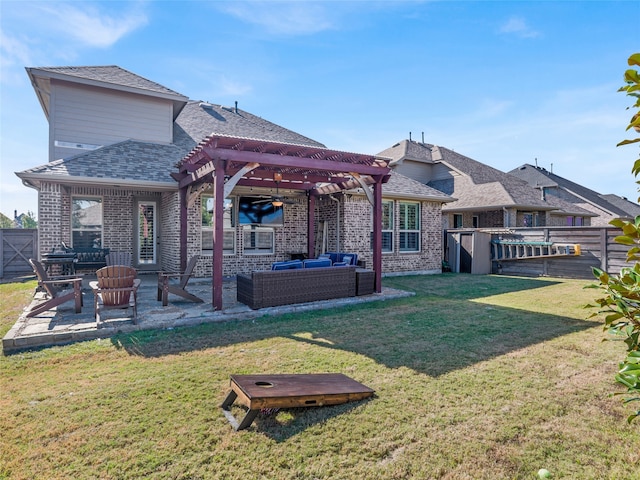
(183, 228)
(377, 233)
(218, 233)
(311, 225)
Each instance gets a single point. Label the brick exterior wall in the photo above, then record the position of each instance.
(50, 217)
(351, 218)
(54, 215)
(356, 237)
(169, 231)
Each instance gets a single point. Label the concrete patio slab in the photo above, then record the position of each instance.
(62, 325)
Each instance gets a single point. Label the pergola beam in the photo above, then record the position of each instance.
(273, 159)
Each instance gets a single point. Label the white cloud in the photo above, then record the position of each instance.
(518, 26)
(283, 18)
(90, 26)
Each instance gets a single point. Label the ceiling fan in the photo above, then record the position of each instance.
(276, 200)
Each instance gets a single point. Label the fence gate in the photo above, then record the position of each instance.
(17, 246)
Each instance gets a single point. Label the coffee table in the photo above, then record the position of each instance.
(256, 392)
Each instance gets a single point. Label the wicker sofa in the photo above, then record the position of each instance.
(271, 288)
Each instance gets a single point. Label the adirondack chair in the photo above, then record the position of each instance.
(118, 258)
(55, 288)
(116, 288)
(165, 286)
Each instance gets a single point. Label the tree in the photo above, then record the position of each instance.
(29, 220)
(5, 222)
(621, 302)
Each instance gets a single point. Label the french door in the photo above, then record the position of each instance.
(147, 235)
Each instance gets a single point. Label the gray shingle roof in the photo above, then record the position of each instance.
(626, 205)
(144, 161)
(402, 186)
(128, 160)
(540, 177)
(408, 149)
(199, 119)
(111, 74)
(478, 186)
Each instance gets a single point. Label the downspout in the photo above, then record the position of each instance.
(337, 222)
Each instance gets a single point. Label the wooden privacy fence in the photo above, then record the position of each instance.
(17, 245)
(595, 246)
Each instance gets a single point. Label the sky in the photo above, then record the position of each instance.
(503, 82)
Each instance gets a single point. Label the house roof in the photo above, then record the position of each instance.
(479, 186)
(200, 119)
(109, 76)
(403, 187)
(130, 161)
(633, 209)
(539, 177)
(407, 149)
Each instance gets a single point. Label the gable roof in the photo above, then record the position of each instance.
(539, 177)
(149, 165)
(110, 76)
(479, 186)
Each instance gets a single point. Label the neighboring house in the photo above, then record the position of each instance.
(117, 141)
(604, 207)
(484, 196)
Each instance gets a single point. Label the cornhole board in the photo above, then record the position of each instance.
(256, 392)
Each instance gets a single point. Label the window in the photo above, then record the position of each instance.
(476, 221)
(530, 220)
(86, 222)
(228, 223)
(387, 227)
(409, 228)
(569, 221)
(579, 221)
(258, 240)
(457, 220)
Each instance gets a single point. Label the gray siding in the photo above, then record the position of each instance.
(96, 116)
(420, 171)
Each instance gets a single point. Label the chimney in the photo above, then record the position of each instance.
(236, 106)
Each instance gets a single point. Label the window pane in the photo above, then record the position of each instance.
(409, 219)
(387, 215)
(409, 234)
(409, 241)
(258, 239)
(228, 223)
(86, 222)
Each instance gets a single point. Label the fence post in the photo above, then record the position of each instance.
(604, 251)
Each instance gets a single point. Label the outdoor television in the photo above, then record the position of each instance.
(258, 211)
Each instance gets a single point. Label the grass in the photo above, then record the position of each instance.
(476, 377)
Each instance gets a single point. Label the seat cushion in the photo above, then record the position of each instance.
(318, 262)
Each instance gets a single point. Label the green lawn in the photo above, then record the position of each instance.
(476, 377)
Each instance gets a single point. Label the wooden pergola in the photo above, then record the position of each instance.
(226, 162)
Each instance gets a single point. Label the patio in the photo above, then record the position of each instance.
(62, 326)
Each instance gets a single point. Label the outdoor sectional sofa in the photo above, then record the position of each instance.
(271, 288)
